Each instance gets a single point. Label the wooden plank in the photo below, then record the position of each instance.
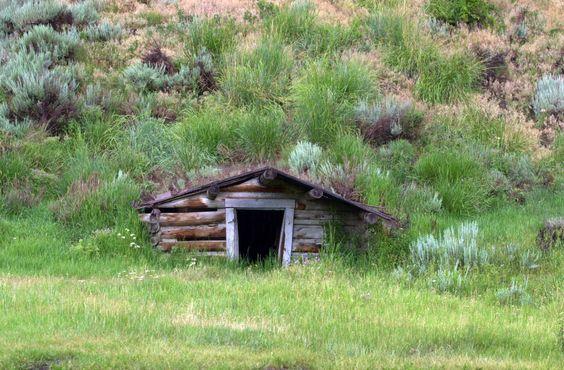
(232, 233)
(194, 232)
(322, 204)
(188, 218)
(322, 223)
(197, 245)
(255, 195)
(288, 226)
(260, 203)
(325, 214)
(196, 202)
(308, 232)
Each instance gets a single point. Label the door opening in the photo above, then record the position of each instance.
(259, 233)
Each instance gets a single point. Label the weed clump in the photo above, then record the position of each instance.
(387, 120)
(549, 96)
(470, 12)
(305, 157)
(455, 248)
(39, 91)
(515, 294)
(45, 40)
(158, 60)
(104, 31)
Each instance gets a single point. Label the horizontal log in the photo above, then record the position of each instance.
(194, 232)
(306, 248)
(188, 218)
(322, 223)
(322, 205)
(260, 203)
(369, 218)
(324, 214)
(196, 202)
(196, 245)
(253, 186)
(308, 232)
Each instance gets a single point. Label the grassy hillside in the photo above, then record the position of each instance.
(448, 113)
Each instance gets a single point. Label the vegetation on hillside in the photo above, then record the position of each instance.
(447, 113)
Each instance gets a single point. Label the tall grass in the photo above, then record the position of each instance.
(261, 133)
(260, 76)
(324, 96)
(297, 23)
(440, 78)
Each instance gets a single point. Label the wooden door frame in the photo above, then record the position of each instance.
(286, 232)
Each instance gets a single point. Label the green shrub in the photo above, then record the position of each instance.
(324, 97)
(86, 12)
(471, 12)
(38, 91)
(549, 96)
(145, 78)
(18, 15)
(458, 177)
(305, 157)
(45, 40)
(448, 79)
(260, 76)
(454, 248)
(445, 280)
(260, 132)
(104, 31)
(216, 35)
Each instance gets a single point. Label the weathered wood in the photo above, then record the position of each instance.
(198, 245)
(232, 233)
(260, 203)
(315, 193)
(267, 177)
(194, 232)
(288, 227)
(196, 202)
(212, 192)
(339, 221)
(369, 218)
(306, 248)
(322, 205)
(308, 232)
(253, 185)
(324, 214)
(188, 218)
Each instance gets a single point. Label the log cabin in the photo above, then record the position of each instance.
(253, 215)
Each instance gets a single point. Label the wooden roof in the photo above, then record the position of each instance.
(237, 179)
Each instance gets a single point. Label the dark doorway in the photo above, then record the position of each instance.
(259, 233)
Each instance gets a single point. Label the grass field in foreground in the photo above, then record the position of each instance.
(304, 317)
(151, 311)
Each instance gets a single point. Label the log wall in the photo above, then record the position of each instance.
(198, 223)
